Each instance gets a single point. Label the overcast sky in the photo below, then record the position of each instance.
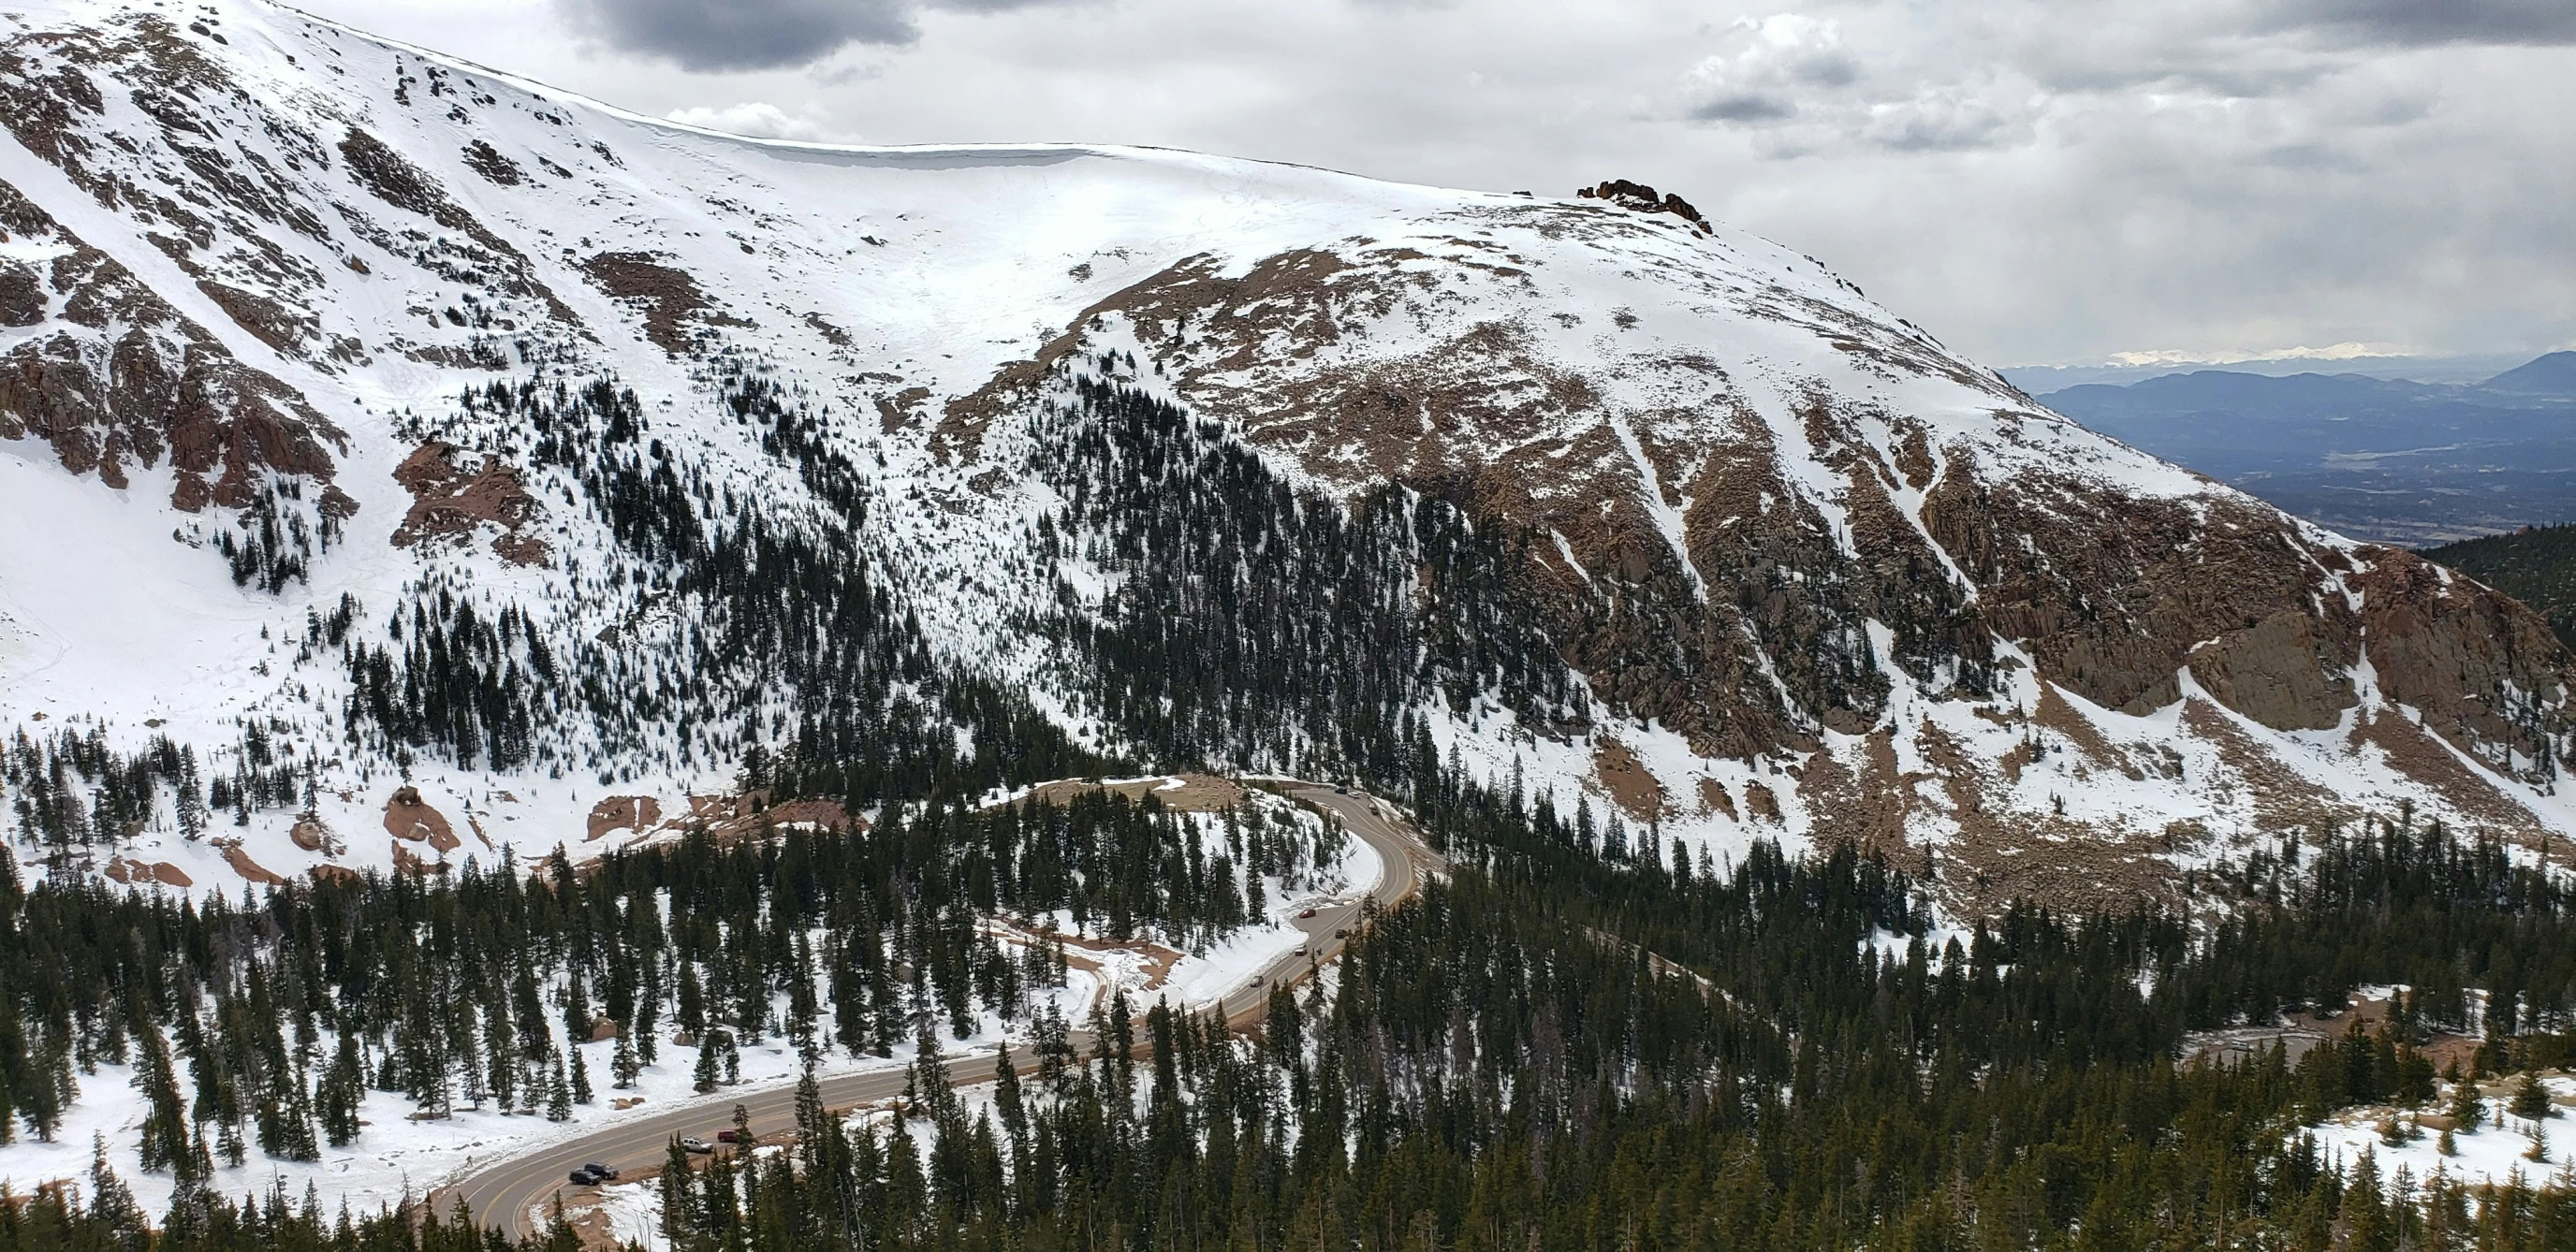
(2037, 181)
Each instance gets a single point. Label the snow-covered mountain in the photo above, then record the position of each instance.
(399, 460)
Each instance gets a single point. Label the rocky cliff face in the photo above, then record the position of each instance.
(1792, 568)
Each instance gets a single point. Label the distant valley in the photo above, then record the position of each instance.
(2392, 461)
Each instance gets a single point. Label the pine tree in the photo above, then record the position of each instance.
(112, 1207)
(558, 1095)
(625, 1067)
(2531, 1099)
(2468, 1108)
(704, 1076)
(674, 1183)
(581, 1093)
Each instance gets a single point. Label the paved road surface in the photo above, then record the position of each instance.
(511, 1193)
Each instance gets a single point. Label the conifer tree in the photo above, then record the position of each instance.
(558, 1094)
(625, 1067)
(2468, 1108)
(703, 1077)
(2531, 1099)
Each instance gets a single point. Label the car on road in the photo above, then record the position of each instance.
(732, 1136)
(584, 1178)
(599, 1171)
(1307, 913)
(1301, 949)
(696, 1146)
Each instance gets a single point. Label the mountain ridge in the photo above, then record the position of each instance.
(947, 463)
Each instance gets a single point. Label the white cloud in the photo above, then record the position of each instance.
(2346, 351)
(1781, 61)
(759, 119)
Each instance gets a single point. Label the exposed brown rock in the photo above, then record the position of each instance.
(268, 321)
(119, 869)
(638, 813)
(1642, 198)
(486, 160)
(668, 298)
(407, 816)
(831, 334)
(1714, 799)
(451, 498)
(1760, 802)
(902, 410)
(1632, 787)
(249, 869)
(2484, 669)
(386, 175)
(22, 295)
(407, 861)
(2276, 672)
(730, 819)
(161, 386)
(313, 835)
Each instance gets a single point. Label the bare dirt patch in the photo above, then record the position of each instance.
(637, 813)
(1633, 787)
(2283, 799)
(407, 816)
(248, 868)
(2055, 714)
(1197, 793)
(1714, 799)
(313, 834)
(730, 819)
(125, 871)
(407, 861)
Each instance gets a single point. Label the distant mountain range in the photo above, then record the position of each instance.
(2389, 460)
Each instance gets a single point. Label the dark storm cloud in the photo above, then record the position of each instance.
(2419, 22)
(1742, 108)
(721, 35)
(733, 35)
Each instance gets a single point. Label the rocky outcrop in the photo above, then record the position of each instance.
(123, 381)
(454, 495)
(669, 300)
(1642, 198)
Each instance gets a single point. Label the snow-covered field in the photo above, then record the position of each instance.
(2494, 1153)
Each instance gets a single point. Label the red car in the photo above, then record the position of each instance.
(1307, 913)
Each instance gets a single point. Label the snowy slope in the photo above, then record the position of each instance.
(1819, 576)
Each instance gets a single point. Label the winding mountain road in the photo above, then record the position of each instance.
(512, 1193)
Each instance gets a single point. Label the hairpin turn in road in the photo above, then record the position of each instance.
(511, 1193)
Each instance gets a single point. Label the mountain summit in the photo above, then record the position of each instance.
(403, 461)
